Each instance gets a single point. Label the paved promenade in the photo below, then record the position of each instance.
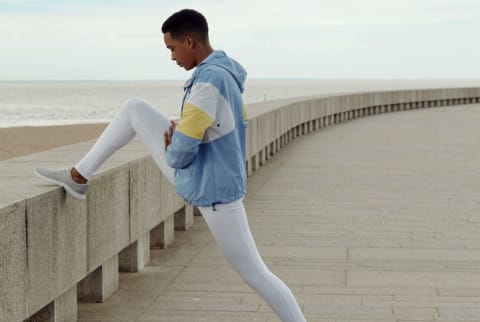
(376, 219)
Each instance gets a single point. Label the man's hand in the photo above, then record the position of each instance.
(168, 134)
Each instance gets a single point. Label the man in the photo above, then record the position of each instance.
(203, 155)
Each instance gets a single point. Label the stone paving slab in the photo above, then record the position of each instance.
(376, 220)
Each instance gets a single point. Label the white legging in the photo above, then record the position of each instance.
(227, 222)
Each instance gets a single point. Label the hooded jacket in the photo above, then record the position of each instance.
(208, 145)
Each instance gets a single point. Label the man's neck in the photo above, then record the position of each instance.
(203, 52)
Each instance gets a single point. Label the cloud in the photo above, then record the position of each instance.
(122, 38)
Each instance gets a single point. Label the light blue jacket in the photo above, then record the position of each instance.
(208, 145)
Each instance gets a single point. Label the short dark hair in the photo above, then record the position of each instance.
(184, 22)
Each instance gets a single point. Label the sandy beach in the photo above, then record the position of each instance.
(18, 141)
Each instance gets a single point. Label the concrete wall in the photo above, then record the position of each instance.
(55, 250)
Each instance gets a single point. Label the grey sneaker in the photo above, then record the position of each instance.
(63, 177)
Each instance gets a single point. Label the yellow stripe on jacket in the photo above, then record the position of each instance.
(194, 121)
(245, 116)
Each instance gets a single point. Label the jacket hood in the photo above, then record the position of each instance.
(220, 59)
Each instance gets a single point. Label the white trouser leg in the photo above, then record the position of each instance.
(229, 226)
(135, 117)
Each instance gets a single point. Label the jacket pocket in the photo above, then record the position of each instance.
(185, 172)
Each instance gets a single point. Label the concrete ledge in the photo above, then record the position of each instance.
(108, 215)
(56, 246)
(13, 262)
(53, 246)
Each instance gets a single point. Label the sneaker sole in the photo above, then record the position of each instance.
(65, 186)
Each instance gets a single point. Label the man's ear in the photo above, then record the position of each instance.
(189, 41)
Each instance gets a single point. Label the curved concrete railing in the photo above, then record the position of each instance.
(54, 249)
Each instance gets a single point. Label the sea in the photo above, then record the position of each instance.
(43, 103)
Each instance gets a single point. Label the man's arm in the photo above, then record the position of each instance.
(167, 136)
(182, 141)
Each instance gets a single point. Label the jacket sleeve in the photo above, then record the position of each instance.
(198, 115)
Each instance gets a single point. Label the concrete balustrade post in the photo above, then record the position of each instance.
(184, 218)
(135, 256)
(162, 235)
(65, 306)
(261, 155)
(99, 284)
(62, 309)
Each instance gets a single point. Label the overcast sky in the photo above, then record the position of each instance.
(324, 39)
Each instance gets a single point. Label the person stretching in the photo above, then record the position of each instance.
(203, 154)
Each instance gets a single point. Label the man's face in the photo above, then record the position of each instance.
(182, 50)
